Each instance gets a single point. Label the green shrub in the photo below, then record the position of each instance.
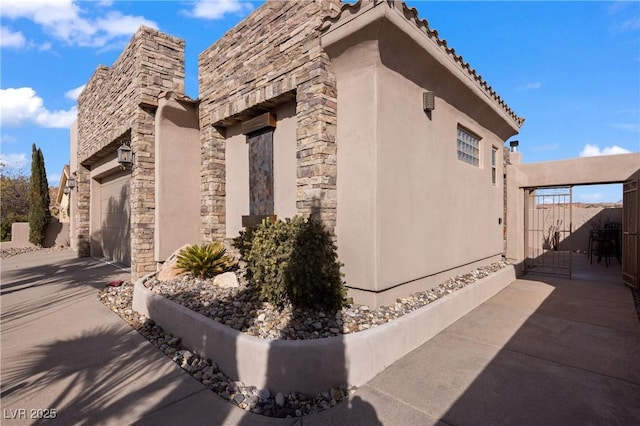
(293, 262)
(205, 260)
(243, 242)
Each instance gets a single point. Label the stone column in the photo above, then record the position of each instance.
(143, 194)
(212, 211)
(83, 200)
(316, 142)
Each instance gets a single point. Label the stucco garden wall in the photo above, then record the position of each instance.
(118, 105)
(577, 171)
(271, 58)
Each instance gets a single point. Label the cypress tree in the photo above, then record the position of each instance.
(39, 214)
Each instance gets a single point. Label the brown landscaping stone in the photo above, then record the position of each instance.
(169, 269)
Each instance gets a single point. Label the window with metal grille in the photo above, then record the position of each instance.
(468, 147)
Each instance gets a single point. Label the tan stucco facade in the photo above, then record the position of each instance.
(398, 171)
(177, 148)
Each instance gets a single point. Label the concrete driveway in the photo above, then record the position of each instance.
(542, 351)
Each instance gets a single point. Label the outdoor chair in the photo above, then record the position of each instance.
(612, 240)
(605, 243)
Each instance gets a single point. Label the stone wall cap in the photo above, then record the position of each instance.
(178, 97)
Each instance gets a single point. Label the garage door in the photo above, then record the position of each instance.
(115, 217)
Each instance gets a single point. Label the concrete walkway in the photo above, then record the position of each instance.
(542, 351)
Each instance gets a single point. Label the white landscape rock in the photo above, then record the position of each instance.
(226, 280)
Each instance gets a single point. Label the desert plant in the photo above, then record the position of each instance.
(243, 242)
(295, 262)
(205, 260)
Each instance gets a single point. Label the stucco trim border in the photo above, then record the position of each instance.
(312, 366)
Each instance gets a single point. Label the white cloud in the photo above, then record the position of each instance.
(534, 85)
(593, 197)
(74, 93)
(21, 105)
(7, 139)
(61, 119)
(65, 20)
(13, 161)
(594, 150)
(624, 17)
(216, 9)
(9, 38)
(633, 127)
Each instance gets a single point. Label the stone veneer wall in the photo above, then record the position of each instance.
(271, 56)
(118, 105)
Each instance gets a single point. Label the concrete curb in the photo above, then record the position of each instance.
(312, 366)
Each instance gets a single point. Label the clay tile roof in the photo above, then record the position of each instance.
(411, 14)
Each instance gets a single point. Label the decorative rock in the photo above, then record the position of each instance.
(169, 269)
(226, 280)
(239, 306)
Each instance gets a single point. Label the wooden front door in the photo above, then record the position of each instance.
(630, 218)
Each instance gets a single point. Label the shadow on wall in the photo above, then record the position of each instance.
(115, 232)
(584, 221)
(57, 234)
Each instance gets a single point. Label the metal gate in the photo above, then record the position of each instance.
(630, 243)
(548, 231)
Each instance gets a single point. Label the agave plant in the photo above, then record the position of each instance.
(205, 260)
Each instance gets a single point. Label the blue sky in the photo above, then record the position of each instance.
(571, 68)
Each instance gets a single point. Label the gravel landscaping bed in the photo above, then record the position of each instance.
(4, 253)
(247, 397)
(239, 308)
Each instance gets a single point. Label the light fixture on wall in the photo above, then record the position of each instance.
(514, 145)
(125, 156)
(428, 101)
(71, 182)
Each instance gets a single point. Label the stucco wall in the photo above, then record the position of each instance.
(56, 234)
(270, 58)
(409, 212)
(177, 174)
(116, 106)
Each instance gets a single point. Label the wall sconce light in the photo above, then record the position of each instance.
(71, 182)
(428, 101)
(125, 156)
(67, 190)
(514, 145)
